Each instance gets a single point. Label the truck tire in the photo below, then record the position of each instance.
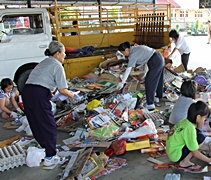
(22, 79)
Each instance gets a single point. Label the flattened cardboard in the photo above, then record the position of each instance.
(179, 69)
(8, 125)
(91, 75)
(153, 160)
(76, 164)
(199, 69)
(70, 128)
(108, 77)
(83, 89)
(105, 63)
(8, 142)
(98, 168)
(99, 144)
(130, 87)
(177, 83)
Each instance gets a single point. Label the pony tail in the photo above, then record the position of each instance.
(47, 53)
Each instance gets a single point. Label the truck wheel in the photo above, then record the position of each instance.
(22, 79)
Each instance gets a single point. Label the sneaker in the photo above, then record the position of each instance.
(150, 107)
(156, 100)
(51, 161)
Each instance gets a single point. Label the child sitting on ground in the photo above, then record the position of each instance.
(184, 139)
(8, 97)
(188, 92)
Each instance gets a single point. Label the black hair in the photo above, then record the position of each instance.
(208, 21)
(124, 46)
(5, 83)
(47, 53)
(189, 89)
(197, 108)
(75, 22)
(173, 34)
(54, 47)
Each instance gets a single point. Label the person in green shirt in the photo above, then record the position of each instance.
(184, 139)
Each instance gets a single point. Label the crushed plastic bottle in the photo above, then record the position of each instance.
(172, 176)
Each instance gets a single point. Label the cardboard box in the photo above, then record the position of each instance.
(143, 143)
(179, 69)
(76, 164)
(131, 87)
(9, 125)
(98, 166)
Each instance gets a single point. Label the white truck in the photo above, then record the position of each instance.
(26, 32)
(22, 47)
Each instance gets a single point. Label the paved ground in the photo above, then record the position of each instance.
(200, 53)
(138, 168)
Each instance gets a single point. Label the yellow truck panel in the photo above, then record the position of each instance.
(105, 26)
(78, 67)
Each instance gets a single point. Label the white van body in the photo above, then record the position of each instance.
(22, 48)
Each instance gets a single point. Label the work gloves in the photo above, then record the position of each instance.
(19, 110)
(13, 115)
(76, 98)
(124, 79)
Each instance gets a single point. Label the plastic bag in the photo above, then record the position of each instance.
(25, 126)
(147, 129)
(104, 132)
(93, 104)
(119, 147)
(34, 156)
(172, 176)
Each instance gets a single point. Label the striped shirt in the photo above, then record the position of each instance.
(3, 95)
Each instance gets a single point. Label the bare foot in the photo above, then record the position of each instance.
(185, 164)
(4, 115)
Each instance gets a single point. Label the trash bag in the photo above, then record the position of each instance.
(93, 104)
(119, 147)
(147, 128)
(34, 156)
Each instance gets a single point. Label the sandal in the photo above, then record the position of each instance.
(193, 167)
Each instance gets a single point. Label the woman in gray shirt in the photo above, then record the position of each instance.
(188, 93)
(44, 78)
(139, 56)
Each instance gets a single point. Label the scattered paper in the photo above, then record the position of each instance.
(66, 148)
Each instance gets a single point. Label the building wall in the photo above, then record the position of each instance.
(183, 17)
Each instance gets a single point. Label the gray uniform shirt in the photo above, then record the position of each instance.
(49, 73)
(180, 109)
(139, 55)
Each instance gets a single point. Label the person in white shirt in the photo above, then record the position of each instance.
(182, 46)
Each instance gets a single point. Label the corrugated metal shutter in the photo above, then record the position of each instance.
(21, 2)
(127, 1)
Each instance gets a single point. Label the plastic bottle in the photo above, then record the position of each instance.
(150, 150)
(21, 103)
